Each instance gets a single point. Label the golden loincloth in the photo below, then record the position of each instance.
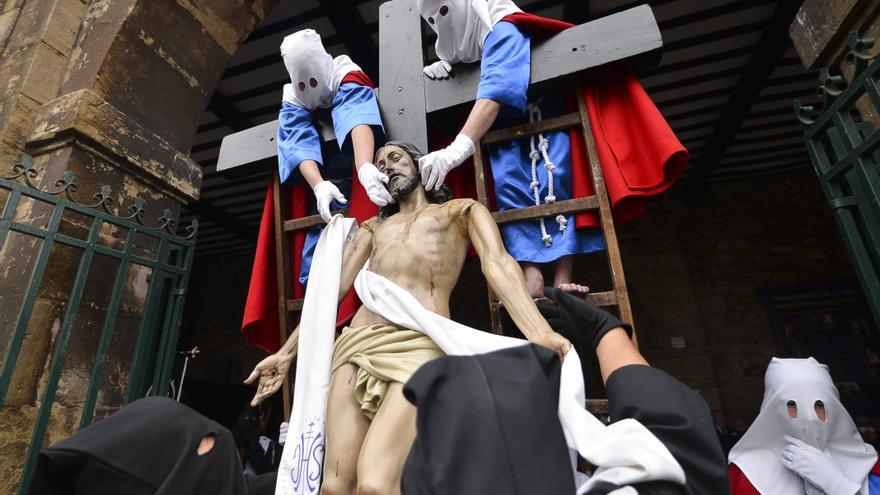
(383, 354)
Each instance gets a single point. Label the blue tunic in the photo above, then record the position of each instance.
(504, 77)
(298, 141)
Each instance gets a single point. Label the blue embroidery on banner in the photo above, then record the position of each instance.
(308, 459)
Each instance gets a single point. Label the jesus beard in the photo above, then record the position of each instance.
(402, 187)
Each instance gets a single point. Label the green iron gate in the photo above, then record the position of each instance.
(157, 254)
(845, 150)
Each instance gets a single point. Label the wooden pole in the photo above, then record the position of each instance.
(615, 264)
(282, 274)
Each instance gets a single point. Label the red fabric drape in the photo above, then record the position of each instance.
(639, 154)
(260, 325)
(739, 484)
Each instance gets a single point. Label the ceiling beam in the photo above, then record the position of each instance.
(226, 111)
(356, 35)
(232, 117)
(768, 51)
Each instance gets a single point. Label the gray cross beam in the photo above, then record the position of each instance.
(406, 96)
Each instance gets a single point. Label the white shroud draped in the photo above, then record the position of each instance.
(625, 451)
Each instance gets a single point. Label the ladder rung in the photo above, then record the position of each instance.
(547, 210)
(546, 125)
(294, 304)
(608, 298)
(310, 221)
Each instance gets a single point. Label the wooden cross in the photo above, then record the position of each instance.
(406, 96)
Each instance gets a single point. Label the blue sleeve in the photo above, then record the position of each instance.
(873, 483)
(297, 140)
(355, 105)
(505, 67)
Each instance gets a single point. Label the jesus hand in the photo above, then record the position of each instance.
(553, 341)
(272, 372)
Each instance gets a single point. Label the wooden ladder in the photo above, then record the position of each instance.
(599, 202)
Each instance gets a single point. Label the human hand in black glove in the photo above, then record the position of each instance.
(576, 319)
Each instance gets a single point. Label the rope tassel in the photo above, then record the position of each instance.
(536, 152)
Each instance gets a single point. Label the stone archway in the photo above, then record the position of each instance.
(113, 90)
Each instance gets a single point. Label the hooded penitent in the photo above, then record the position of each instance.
(802, 381)
(149, 447)
(314, 75)
(462, 25)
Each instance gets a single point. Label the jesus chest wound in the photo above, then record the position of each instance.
(428, 245)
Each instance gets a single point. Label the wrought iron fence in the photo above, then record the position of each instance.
(844, 147)
(159, 256)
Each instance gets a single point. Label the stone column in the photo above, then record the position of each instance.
(112, 90)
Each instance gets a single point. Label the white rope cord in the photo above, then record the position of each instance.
(534, 153)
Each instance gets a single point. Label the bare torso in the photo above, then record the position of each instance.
(422, 252)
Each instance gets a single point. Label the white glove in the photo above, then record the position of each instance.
(374, 182)
(282, 433)
(434, 166)
(325, 192)
(817, 467)
(438, 70)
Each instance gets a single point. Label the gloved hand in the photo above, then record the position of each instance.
(438, 70)
(282, 433)
(374, 182)
(817, 467)
(326, 192)
(435, 165)
(577, 319)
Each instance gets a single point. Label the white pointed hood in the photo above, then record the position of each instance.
(462, 25)
(314, 75)
(803, 381)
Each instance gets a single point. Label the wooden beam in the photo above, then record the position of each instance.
(557, 63)
(253, 146)
(768, 50)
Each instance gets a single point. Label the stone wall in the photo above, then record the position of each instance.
(751, 234)
(112, 90)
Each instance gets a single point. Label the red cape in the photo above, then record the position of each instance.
(260, 325)
(639, 154)
(739, 484)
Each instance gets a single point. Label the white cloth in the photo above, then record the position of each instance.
(308, 62)
(758, 452)
(303, 457)
(625, 451)
(465, 25)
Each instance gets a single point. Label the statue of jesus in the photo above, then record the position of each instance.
(420, 243)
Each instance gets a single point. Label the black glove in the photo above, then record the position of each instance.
(578, 320)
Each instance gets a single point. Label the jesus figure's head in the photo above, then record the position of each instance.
(400, 162)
